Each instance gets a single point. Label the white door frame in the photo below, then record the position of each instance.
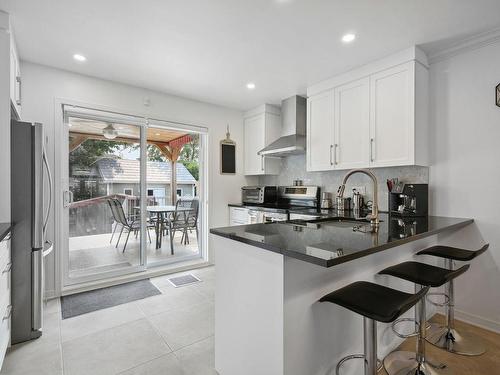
(60, 160)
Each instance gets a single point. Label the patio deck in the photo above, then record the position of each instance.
(94, 254)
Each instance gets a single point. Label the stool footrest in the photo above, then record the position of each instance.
(354, 356)
(440, 304)
(401, 335)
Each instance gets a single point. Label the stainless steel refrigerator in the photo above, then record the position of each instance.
(30, 210)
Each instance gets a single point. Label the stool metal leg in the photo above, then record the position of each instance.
(371, 363)
(370, 338)
(448, 337)
(406, 363)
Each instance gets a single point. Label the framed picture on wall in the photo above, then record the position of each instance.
(227, 155)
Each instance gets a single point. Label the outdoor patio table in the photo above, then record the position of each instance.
(161, 212)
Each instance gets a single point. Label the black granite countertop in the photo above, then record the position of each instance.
(4, 230)
(332, 240)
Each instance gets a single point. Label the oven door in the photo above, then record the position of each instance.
(252, 195)
(255, 217)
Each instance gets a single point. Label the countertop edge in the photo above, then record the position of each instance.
(347, 258)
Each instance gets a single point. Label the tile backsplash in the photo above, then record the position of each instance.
(294, 168)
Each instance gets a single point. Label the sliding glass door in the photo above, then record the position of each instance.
(173, 192)
(132, 194)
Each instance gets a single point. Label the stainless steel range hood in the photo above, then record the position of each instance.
(293, 133)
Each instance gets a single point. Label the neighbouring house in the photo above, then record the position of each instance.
(122, 176)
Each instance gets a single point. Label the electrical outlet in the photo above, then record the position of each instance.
(360, 189)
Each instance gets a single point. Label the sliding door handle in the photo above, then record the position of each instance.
(372, 159)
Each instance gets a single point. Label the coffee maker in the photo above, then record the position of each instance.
(409, 200)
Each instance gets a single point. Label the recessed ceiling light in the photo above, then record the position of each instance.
(348, 38)
(79, 57)
(157, 134)
(250, 85)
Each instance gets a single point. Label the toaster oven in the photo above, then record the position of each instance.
(259, 194)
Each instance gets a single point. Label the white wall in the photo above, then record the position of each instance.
(42, 85)
(465, 172)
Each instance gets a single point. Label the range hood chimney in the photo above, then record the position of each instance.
(293, 132)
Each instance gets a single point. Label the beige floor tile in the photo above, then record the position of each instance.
(113, 350)
(182, 327)
(172, 298)
(164, 365)
(198, 358)
(206, 288)
(99, 320)
(35, 357)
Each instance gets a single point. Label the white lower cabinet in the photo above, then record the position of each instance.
(238, 216)
(5, 288)
(370, 117)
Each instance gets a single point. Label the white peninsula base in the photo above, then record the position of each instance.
(268, 320)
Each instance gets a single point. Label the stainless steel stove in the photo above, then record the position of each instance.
(291, 200)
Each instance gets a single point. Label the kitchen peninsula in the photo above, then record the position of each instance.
(270, 276)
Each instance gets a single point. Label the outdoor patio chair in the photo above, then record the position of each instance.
(112, 208)
(192, 220)
(179, 221)
(130, 225)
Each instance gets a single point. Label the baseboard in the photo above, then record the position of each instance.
(478, 321)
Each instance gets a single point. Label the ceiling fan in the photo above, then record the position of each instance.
(109, 132)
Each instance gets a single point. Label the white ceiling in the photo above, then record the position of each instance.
(209, 49)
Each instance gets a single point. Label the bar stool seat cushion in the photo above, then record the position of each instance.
(453, 253)
(423, 274)
(374, 301)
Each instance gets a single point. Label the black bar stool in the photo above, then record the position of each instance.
(375, 303)
(448, 337)
(424, 276)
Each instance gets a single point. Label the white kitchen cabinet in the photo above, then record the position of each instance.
(394, 122)
(238, 216)
(261, 127)
(320, 121)
(352, 124)
(5, 304)
(379, 112)
(15, 78)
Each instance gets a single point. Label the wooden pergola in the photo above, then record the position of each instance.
(169, 142)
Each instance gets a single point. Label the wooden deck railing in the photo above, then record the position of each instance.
(93, 216)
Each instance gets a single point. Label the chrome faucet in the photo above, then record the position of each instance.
(374, 221)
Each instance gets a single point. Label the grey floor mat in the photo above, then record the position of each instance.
(82, 303)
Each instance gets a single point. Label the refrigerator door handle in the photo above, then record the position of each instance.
(49, 246)
(37, 289)
(49, 176)
(37, 183)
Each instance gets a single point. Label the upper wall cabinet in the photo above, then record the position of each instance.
(261, 127)
(374, 116)
(319, 148)
(15, 78)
